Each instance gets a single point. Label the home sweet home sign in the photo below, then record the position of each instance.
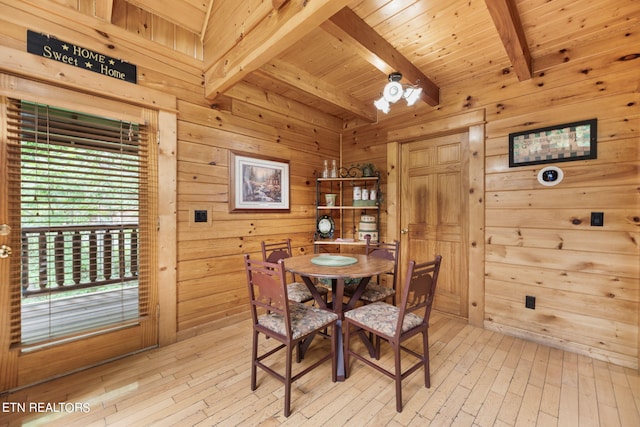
(50, 47)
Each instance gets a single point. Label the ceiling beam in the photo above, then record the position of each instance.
(301, 80)
(348, 27)
(275, 33)
(507, 21)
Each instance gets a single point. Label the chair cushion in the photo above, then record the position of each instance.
(382, 318)
(299, 292)
(372, 293)
(304, 320)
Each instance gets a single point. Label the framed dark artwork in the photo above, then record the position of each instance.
(258, 183)
(560, 143)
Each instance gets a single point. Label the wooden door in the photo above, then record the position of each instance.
(23, 364)
(434, 213)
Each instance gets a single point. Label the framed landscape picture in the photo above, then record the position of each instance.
(561, 143)
(258, 184)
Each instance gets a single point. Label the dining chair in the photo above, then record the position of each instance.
(376, 291)
(288, 322)
(395, 325)
(297, 291)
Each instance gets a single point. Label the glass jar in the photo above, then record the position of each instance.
(357, 193)
(334, 169)
(325, 170)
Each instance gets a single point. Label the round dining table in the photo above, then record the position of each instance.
(337, 268)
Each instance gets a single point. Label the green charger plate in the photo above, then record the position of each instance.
(333, 260)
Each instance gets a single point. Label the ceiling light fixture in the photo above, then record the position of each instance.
(394, 91)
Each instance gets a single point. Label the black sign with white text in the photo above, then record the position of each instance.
(68, 53)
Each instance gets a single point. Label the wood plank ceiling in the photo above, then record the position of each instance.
(336, 55)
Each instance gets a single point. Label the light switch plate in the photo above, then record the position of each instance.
(597, 219)
(200, 216)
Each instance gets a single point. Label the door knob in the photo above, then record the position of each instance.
(5, 251)
(404, 231)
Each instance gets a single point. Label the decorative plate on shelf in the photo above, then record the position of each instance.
(326, 226)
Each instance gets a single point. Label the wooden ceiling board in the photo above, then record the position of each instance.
(580, 22)
(266, 83)
(350, 73)
(464, 44)
(375, 49)
(363, 81)
(391, 18)
(370, 88)
(229, 23)
(392, 10)
(189, 14)
(318, 53)
(448, 41)
(440, 33)
(482, 50)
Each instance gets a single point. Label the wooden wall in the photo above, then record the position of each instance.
(211, 284)
(211, 280)
(539, 241)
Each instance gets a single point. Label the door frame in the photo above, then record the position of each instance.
(472, 122)
(38, 83)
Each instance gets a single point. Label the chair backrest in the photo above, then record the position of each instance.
(274, 252)
(267, 290)
(419, 290)
(389, 251)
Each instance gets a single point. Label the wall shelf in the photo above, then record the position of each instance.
(344, 214)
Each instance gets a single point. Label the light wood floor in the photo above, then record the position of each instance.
(479, 378)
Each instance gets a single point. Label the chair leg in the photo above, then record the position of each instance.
(299, 352)
(254, 361)
(427, 373)
(325, 297)
(373, 339)
(287, 381)
(334, 350)
(347, 340)
(396, 350)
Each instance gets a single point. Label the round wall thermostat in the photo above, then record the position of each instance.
(550, 176)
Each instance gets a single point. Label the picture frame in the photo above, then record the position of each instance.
(559, 143)
(258, 183)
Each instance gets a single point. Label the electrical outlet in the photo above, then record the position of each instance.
(530, 302)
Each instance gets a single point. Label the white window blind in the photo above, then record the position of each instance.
(79, 185)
